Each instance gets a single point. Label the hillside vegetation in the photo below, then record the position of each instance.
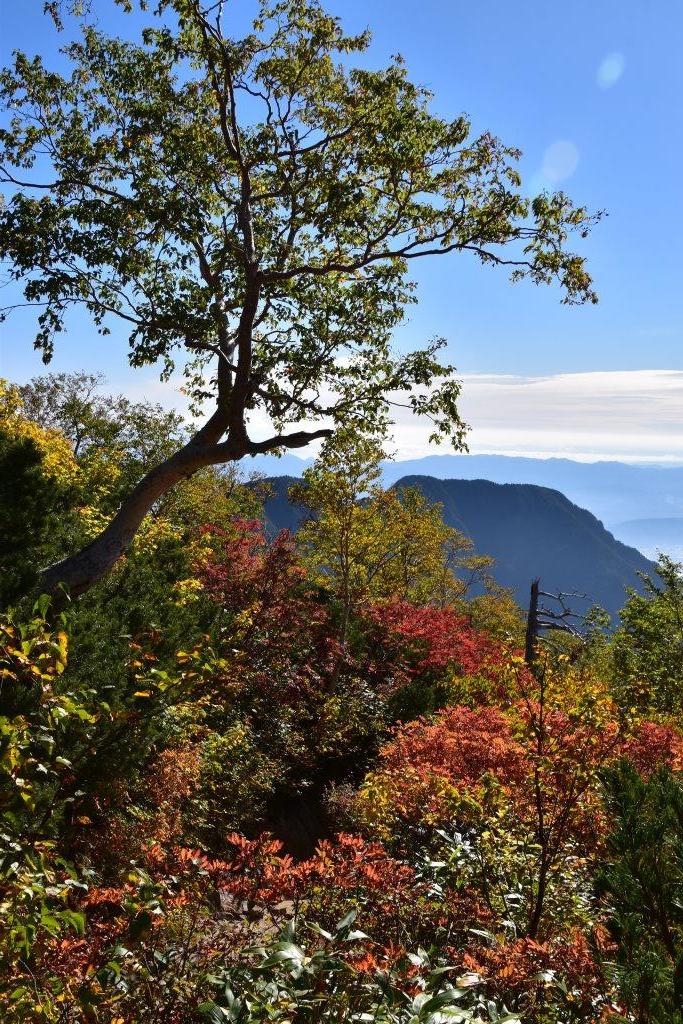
(297, 779)
(311, 778)
(530, 532)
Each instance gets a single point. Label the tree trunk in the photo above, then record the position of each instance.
(532, 625)
(80, 571)
(539, 901)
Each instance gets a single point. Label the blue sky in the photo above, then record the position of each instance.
(591, 92)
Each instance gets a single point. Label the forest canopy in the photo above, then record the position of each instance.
(254, 777)
(249, 209)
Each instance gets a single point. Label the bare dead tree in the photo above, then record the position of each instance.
(542, 619)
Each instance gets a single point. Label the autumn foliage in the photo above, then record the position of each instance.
(362, 793)
(429, 638)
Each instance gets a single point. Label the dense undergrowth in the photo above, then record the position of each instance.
(311, 779)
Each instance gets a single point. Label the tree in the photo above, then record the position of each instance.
(250, 208)
(114, 441)
(75, 404)
(342, 542)
(642, 882)
(648, 646)
(38, 485)
(364, 543)
(427, 561)
(68, 455)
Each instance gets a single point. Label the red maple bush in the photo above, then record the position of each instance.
(459, 744)
(244, 572)
(114, 838)
(525, 749)
(347, 872)
(429, 638)
(242, 566)
(524, 973)
(651, 745)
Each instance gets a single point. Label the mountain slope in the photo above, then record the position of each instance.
(534, 531)
(613, 491)
(530, 531)
(280, 512)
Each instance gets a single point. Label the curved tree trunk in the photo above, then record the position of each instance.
(80, 571)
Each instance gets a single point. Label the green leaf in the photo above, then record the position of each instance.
(141, 924)
(345, 922)
(213, 1013)
(284, 952)
(448, 997)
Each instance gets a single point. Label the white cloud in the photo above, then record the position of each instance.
(634, 416)
(629, 415)
(610, 70)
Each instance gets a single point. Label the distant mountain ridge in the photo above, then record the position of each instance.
(529, 530)
(536, 531)
(617, 493)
